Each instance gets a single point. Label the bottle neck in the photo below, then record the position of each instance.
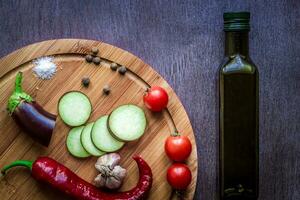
(236, 43)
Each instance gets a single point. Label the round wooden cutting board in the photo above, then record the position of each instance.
(69, 56)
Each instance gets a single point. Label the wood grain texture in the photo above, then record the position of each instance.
(184, 42)
(69, 55)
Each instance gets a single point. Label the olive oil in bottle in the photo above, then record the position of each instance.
(238, 97)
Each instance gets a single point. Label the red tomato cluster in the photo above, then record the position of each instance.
(178, 148)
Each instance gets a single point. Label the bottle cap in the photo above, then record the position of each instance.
(236, 21)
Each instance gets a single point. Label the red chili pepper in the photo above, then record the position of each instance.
(47, 170)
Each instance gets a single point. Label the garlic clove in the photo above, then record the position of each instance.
(113, 183)
(110, 160)
(100, 163)
(119, 172)
(113, 160)
(100, 181)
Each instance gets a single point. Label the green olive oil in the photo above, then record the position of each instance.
(238, 98)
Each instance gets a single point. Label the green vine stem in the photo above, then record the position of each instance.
(175, 134)
(178, 194)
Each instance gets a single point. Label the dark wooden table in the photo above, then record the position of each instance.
(184, 42)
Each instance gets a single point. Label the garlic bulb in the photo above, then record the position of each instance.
(111, 174)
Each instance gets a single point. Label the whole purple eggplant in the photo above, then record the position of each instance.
(29, 115)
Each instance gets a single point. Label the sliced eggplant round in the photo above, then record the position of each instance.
(86, 141)
(102, 138)
(127, 122)
(74, 108)
(74, 145)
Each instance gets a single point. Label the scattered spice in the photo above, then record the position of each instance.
(96, 60)
(89, 58)
(95, 50)
(122, 70)
(113, 66)
(106, 89)
(44, 67)
(85, 81)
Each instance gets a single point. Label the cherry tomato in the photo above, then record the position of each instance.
(179, 176)
(178, 147)
(156, 99)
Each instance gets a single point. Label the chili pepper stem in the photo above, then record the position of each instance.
(18, 95)
(17, 163)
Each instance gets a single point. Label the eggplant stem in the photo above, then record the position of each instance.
(17, 163)
(18, 83)
(18, 95)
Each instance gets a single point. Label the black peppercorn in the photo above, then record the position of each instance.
(106, 89)
(122, 70)
(85, 81)
(95, 50)
(89, 58)
(113, 66)
(96, 60)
